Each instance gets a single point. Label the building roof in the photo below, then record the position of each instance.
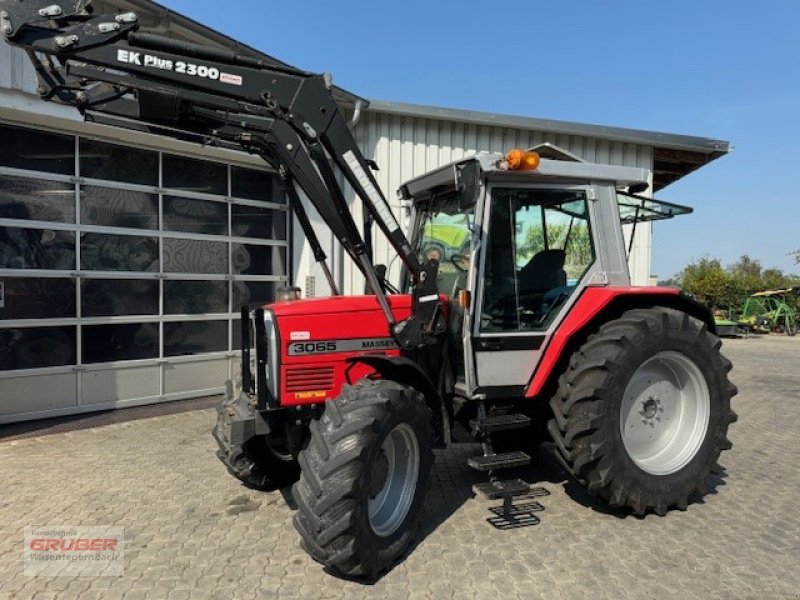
(674, 155)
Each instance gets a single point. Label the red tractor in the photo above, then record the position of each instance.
(533, 332)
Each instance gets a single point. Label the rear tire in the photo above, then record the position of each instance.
(364, 477)
(642, 413)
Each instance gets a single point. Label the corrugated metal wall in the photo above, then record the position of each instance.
(406, 146)
(17, 72)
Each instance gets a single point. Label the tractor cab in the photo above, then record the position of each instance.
(518, 238)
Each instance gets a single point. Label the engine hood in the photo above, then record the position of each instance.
(338, 305)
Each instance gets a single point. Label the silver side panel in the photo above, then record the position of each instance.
(609, 241)
(510, 367)
(273, 356)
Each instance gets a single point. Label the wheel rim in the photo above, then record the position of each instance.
(665, 413)
(398, 467)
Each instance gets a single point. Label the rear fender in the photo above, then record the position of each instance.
(407, 372)
(595, 307)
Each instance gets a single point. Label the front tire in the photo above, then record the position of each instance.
(364, 476)
(273, 463)
(642, 413)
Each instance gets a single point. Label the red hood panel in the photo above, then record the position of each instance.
(318, 336)
(339, 304)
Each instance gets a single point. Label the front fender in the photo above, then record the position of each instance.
(406, 371)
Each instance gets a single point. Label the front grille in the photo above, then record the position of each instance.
(306, 379)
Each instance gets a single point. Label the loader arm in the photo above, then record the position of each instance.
(104, 66)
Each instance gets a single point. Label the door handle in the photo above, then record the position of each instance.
(491, 345)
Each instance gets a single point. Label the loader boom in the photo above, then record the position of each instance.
(109, 70)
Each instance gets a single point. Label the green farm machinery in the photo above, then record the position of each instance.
(768, 311)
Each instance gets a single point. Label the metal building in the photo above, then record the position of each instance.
(124, 255)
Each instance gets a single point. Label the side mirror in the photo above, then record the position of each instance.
(468, 176)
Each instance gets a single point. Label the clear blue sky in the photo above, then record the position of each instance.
(723, 69)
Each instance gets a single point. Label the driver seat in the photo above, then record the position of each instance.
(544, 272)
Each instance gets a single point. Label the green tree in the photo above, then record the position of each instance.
(746, 276)
(708, 281)
(578, 247)
(775, 279)
(726, 288)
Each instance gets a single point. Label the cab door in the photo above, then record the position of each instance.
(536, 254)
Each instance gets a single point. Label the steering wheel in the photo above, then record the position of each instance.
(458, 260)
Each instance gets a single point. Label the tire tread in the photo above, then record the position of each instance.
(580, 402)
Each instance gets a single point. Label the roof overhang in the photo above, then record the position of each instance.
(674, 155)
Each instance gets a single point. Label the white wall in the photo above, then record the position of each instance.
(405, 147)
(17, 72)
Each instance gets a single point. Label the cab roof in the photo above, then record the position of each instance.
(555, 164)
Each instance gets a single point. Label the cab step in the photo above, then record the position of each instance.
(511, 516)
(500, 489)
(494, 423)
(505, 460)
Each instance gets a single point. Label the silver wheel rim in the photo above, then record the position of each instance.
(665, 413)
(389, 507)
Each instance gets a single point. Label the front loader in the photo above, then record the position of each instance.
(531, 328)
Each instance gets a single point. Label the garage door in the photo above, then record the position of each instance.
(122, 271)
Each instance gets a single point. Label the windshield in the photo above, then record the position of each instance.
(443, 232)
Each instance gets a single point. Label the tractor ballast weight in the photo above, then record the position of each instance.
(529, 326)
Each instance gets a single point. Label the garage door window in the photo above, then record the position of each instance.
(111, 253)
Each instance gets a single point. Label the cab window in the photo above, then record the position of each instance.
(444, 234)
(539, 248)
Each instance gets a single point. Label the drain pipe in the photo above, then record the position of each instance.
(356, 114)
